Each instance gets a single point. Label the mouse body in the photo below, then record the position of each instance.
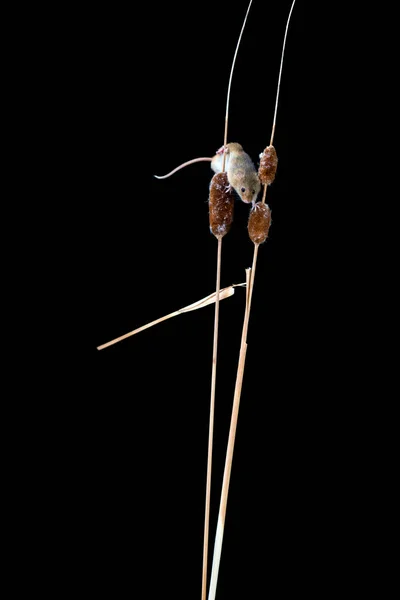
(241, 172)
(240, 169)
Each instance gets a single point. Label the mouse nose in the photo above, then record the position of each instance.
(247, 196)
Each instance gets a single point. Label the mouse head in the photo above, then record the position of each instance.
(233, 147)
(248, 186)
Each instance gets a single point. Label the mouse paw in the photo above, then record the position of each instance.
(221, 150)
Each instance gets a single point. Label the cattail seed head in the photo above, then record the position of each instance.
(221, 202)
(259, 223)
(268, 165)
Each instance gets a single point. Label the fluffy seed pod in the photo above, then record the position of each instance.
(259, 223)
(268, 165)
(221, 201)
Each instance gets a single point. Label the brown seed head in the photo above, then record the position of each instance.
(220, 203)
(259, 223)
(268, 165)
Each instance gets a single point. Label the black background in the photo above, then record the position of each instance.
(149, 93)
(107, 451)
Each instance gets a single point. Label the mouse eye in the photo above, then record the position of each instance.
(254, 191)
(243, 190)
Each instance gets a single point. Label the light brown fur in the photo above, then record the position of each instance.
(242, 175)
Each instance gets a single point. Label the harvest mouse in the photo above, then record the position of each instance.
(241, 172)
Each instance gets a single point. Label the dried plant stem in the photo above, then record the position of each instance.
(225, 140)
(264, 194)
(230, 84)
(214, 364)
(232, 432)
(138, 330)
(280, 75)
(224, 293)
(243, 349)
(211, 425)
(225, 486)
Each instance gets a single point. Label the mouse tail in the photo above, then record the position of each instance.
(189, 162)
